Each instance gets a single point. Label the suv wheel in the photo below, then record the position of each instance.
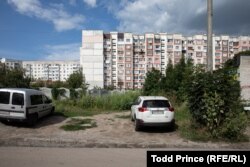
(137, 125)
(132, 118)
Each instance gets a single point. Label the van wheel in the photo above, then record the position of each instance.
(32, 119)
(52, 111)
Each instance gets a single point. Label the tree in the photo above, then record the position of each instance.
(152, 82)
(177, 78)
(14, 78)
(75, 80)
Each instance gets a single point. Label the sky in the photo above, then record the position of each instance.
(51, 29)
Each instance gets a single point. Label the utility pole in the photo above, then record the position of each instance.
(210, 35)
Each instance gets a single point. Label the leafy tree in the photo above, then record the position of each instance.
(75, 80)
(177, 78)
(152, 82)
(14, 78)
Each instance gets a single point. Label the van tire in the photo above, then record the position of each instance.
(32, 119)
(52, 111)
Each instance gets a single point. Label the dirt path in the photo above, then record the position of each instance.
(111, 131)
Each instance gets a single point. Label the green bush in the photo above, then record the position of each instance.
(55, 93)
(213, 97)
(234, 126)
(73, 93)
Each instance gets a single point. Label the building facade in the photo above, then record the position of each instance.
(11, 63)
(122, 60)
(50, 70)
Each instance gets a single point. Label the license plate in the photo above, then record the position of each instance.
(157, 112)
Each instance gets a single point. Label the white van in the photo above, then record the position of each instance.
(24, 105)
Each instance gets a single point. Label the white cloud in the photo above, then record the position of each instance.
(91, 3)
(72, 2)
(158, 15)
(55, 14)
(63, 52)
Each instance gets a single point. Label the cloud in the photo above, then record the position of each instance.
(157, 15)
(63, 52)
(91, 3)
(55, 14)
(181, 16)
(72, 2)
(230, 17)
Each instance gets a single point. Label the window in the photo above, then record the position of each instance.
(127, 40)
(128, 78)
(138, 101)
(156, 103)
(4, 97)
(128, 65)
(198, 54)
(170, 40)
(18, 99)
(36, 99)
(128, 53)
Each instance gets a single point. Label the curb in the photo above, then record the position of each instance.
(22, 142)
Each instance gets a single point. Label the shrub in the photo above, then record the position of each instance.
(234, 125)
(73, 93)
(213, 98)
(55, 93)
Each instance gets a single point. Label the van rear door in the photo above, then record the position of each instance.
(4, 104)
(17, 106)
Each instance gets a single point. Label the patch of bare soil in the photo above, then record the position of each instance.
(113, 130)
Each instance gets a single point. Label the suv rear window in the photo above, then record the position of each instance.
(18, 99)
(4, 97)
(156, 103)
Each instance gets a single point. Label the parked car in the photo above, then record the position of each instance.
(152, 111)
(24, 105)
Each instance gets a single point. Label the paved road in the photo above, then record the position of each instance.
(82, 157)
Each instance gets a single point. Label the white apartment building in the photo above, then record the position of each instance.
(123, 59)
(92, 58)
(11, 63)
(50, 70)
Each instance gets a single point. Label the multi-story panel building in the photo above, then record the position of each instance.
(50, 70)
(11, 63)
(92, 58)
(123, 59)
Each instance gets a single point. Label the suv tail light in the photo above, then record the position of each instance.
(171, 109)
(142, 109)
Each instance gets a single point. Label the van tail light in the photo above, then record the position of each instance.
(171, 109)
(142, 109)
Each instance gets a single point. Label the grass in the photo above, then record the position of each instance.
(185, 127)
(79, 124)
(92, 105)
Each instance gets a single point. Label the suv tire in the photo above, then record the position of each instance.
(138, 127)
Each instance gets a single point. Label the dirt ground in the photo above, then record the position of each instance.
(111, 132)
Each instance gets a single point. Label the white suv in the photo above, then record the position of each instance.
(152, 111)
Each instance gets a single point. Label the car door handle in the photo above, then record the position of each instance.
(12, 107)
